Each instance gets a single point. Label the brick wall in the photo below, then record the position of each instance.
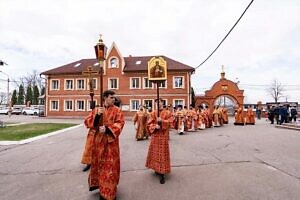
(124, 91)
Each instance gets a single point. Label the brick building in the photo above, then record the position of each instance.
(67, 92)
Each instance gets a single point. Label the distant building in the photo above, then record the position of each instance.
(67, 92)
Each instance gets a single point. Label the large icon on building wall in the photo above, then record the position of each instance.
(157, 69)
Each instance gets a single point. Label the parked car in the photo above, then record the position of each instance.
(16, 111)
(4, 110)
(42, 112)
(30, 111)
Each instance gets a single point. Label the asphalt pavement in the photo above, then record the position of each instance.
(230, 162)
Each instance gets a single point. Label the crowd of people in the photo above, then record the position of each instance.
(188, 120)
(282, 114)
(102, 154)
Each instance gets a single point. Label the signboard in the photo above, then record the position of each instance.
(157, 69)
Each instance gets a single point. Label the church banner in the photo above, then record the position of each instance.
(157, 69)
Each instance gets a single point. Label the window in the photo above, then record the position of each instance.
(178, 102)
(164, 101)
(113, 83)
(54, 84)
(94, 83)
(163, 84)
(69, 85)
(68, 105)
(54, 105)
(114, 63)
(178, 82)
(134, 105)
(135, 83)
(148, 103)
(147, 83)
(80, 105)
(89, 103)
(80, 84)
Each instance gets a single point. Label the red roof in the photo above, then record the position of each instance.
(141, 64)
(132, 64)
(73, 68)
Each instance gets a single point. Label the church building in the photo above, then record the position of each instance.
(67, 88)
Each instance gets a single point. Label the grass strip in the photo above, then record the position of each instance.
(25, 131)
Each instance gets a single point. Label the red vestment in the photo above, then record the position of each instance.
(87, 153)
(140, 120)
(191, 120)
(216, 117)
(180, 120)
(239, 117)
(250, 119)
(158, 157)
(105, 165)
(225, 115)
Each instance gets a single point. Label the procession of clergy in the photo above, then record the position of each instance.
(192, 119)
(105, 124)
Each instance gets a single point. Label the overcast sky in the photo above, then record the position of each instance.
(265, 45)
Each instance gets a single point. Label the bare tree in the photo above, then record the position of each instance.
(276, 90)
(3, 98)
(32, 79)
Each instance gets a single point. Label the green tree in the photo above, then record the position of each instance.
(193, 97)
(20, 100)
(14, 98)
(36, 94)
(43, 90)
(29, 95)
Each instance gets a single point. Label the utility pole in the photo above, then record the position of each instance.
(1, 64)
(8, 90)
(7, 86)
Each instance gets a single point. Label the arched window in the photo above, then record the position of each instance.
(114, 63)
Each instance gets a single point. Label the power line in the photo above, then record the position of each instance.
(225, 36)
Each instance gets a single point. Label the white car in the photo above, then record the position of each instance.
(30, 111)
(4, 110)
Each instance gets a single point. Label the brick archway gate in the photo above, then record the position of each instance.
(221, 89)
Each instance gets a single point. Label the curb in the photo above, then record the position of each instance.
(4, 143)
(291, 127)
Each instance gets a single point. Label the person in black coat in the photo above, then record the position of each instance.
(276, 114)
(294, 114)
(283, 113)
(271, 114)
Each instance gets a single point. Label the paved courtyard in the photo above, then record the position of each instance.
(231, 162)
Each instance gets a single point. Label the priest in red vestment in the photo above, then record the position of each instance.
(139, 122)
(250, 119)
(239, 116)
(158, 157)
(87, 153)
(105, 162)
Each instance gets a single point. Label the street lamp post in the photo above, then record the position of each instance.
(100, 51)
(45, 103)
(2, 63)
(7, 86)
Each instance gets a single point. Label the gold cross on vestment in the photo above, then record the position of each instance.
(90, 73)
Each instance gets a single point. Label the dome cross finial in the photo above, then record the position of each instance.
(222, 73)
